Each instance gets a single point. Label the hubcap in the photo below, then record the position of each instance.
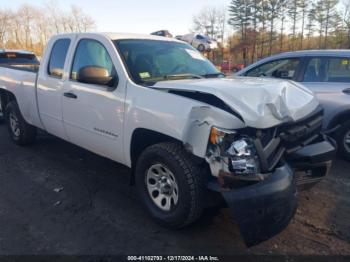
(14, 124)
(162, 187)
(347, 141)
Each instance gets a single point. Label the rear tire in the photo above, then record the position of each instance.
(185, 176)
(343, 140)
(20, 131)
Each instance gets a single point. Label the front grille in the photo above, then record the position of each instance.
(273, 144)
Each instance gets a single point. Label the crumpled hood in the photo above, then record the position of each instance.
(261, 102)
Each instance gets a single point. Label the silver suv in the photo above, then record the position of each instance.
(325, 72)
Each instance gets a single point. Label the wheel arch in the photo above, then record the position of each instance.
(6, 97)
(141, 139)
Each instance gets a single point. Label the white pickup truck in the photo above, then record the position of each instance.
(189, 134)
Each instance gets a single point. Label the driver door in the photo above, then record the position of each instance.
(93, 113)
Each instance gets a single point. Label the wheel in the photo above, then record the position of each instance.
(170, 184)
(343, 140)
(20, 131)
(201, 48)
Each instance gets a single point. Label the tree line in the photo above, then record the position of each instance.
(30, 27)
(264, 27)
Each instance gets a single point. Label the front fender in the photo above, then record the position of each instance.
(181, 118)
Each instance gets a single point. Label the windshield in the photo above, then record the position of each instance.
(149, 61)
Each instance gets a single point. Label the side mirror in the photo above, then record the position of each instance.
(95, 75)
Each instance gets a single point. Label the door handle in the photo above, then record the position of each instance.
(70, 95)
(346, 91)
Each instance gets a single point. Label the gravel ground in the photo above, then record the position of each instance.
(56, 198)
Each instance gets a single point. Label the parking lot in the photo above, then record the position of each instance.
(56, 198)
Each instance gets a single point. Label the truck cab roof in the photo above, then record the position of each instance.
(121, 36)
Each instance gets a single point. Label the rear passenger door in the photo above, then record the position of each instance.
(327, 74)
(329, 78)
(50, 85)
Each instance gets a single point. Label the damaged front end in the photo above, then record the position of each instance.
(257, 171)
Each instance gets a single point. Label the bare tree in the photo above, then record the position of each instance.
(5, 23)
(55, 16)
(211, 21)
(30, 26)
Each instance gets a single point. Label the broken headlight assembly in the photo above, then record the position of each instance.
(232, 153)
(243, 157)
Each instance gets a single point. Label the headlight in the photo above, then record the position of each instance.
(232, 153)
(243, 157)
(218, 135)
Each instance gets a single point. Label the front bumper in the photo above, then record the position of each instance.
(265, 208)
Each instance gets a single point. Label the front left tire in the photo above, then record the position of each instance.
(170, 184)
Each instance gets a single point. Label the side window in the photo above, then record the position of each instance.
(91, 53)
(199, 37)
(328, 70)
(58, 57)
(283, 68)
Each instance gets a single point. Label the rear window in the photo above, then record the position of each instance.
(17, 58)
(58, 57)
(328, 69)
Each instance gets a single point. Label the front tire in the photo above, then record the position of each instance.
(343, 140)
(20, 131)
(170, 184)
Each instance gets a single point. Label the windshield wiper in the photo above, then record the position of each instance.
(213, 75)
(152, 81)
(187, 75)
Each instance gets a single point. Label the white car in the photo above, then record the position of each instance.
(200, 42)
(188, 134)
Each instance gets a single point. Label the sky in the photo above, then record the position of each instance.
(142, 16)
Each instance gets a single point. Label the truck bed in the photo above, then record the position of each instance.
(20, 80)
